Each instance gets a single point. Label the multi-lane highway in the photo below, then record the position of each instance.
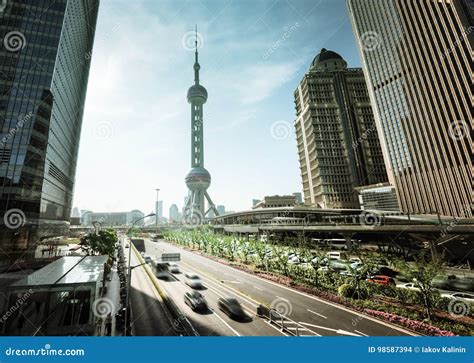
(312, 315)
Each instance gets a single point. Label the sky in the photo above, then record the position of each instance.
(253, 54)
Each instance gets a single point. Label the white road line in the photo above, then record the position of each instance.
(314, 312)
(281, 298)
(257, 288)
(365, 335)
(338, 331)
(226, 324)
(274, 327)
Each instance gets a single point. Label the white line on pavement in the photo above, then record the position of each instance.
(365, 335)
(314, 312)
(226, 324)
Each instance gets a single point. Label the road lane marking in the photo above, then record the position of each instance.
(337, 331)
(365, 335)
(314, 312)
(256, 287)
(226, 324)
(282, 298)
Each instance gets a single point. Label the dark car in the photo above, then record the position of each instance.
(232, 308)
(195, 301)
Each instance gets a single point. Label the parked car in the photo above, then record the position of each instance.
(409, 286)
(195, 301)
(231, 307)
(193, 280)
(174, 268)
(381, 280)
(460, 296)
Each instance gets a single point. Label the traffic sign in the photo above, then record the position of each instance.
(169, 257)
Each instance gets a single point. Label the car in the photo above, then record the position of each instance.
(460, 296)
(127, 246)
(174, 268)
(409, 286)
(147, 258)
(381, 280)
(195, 301)
(193, 280)
(231, 307)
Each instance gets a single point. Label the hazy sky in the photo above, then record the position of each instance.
(136, 128)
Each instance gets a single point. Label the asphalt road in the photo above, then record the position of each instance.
(319, 317)
(213, 322)
(149, 315)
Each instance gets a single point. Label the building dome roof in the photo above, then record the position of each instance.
(197, 91)
(325, 55)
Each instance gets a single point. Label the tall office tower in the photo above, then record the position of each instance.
(173, 213)
(337, 141)
(418, 60)
(44, 66)
(198, 179)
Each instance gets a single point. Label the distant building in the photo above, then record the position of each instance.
(337, 141)
(276, 201)
(255, 202)
(110, 219)
(298, 198)
(75, 219)
(417, 58)
(75, 213)
(220, 210)
(174, 214)
(378, 197)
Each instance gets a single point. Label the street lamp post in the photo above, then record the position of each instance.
(129, 274)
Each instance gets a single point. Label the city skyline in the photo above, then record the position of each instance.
(250, 83)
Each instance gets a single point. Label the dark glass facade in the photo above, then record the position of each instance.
(45, 54)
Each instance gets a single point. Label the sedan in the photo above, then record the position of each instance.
(174, 268)
(195, 301)
(460, 296)
(409, 286)
(193, 281)
(231, 307)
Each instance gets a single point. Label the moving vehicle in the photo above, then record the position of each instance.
(460, 296)
(193, 280)
(147, 258)
(161, 269)
(231, 307)
(195, 301)
(174, 268)
(381, 280)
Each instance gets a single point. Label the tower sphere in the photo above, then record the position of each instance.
(197, 93)
(198, 179)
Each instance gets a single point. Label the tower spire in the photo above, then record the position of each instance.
(196, 62)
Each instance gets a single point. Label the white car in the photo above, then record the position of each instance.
(409, 286)
(193, 280)
(460, 296)
(174, 268)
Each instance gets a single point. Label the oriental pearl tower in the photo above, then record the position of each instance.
(198, 179)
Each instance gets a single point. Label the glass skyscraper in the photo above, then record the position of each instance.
(45, 54)
(418, 60)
